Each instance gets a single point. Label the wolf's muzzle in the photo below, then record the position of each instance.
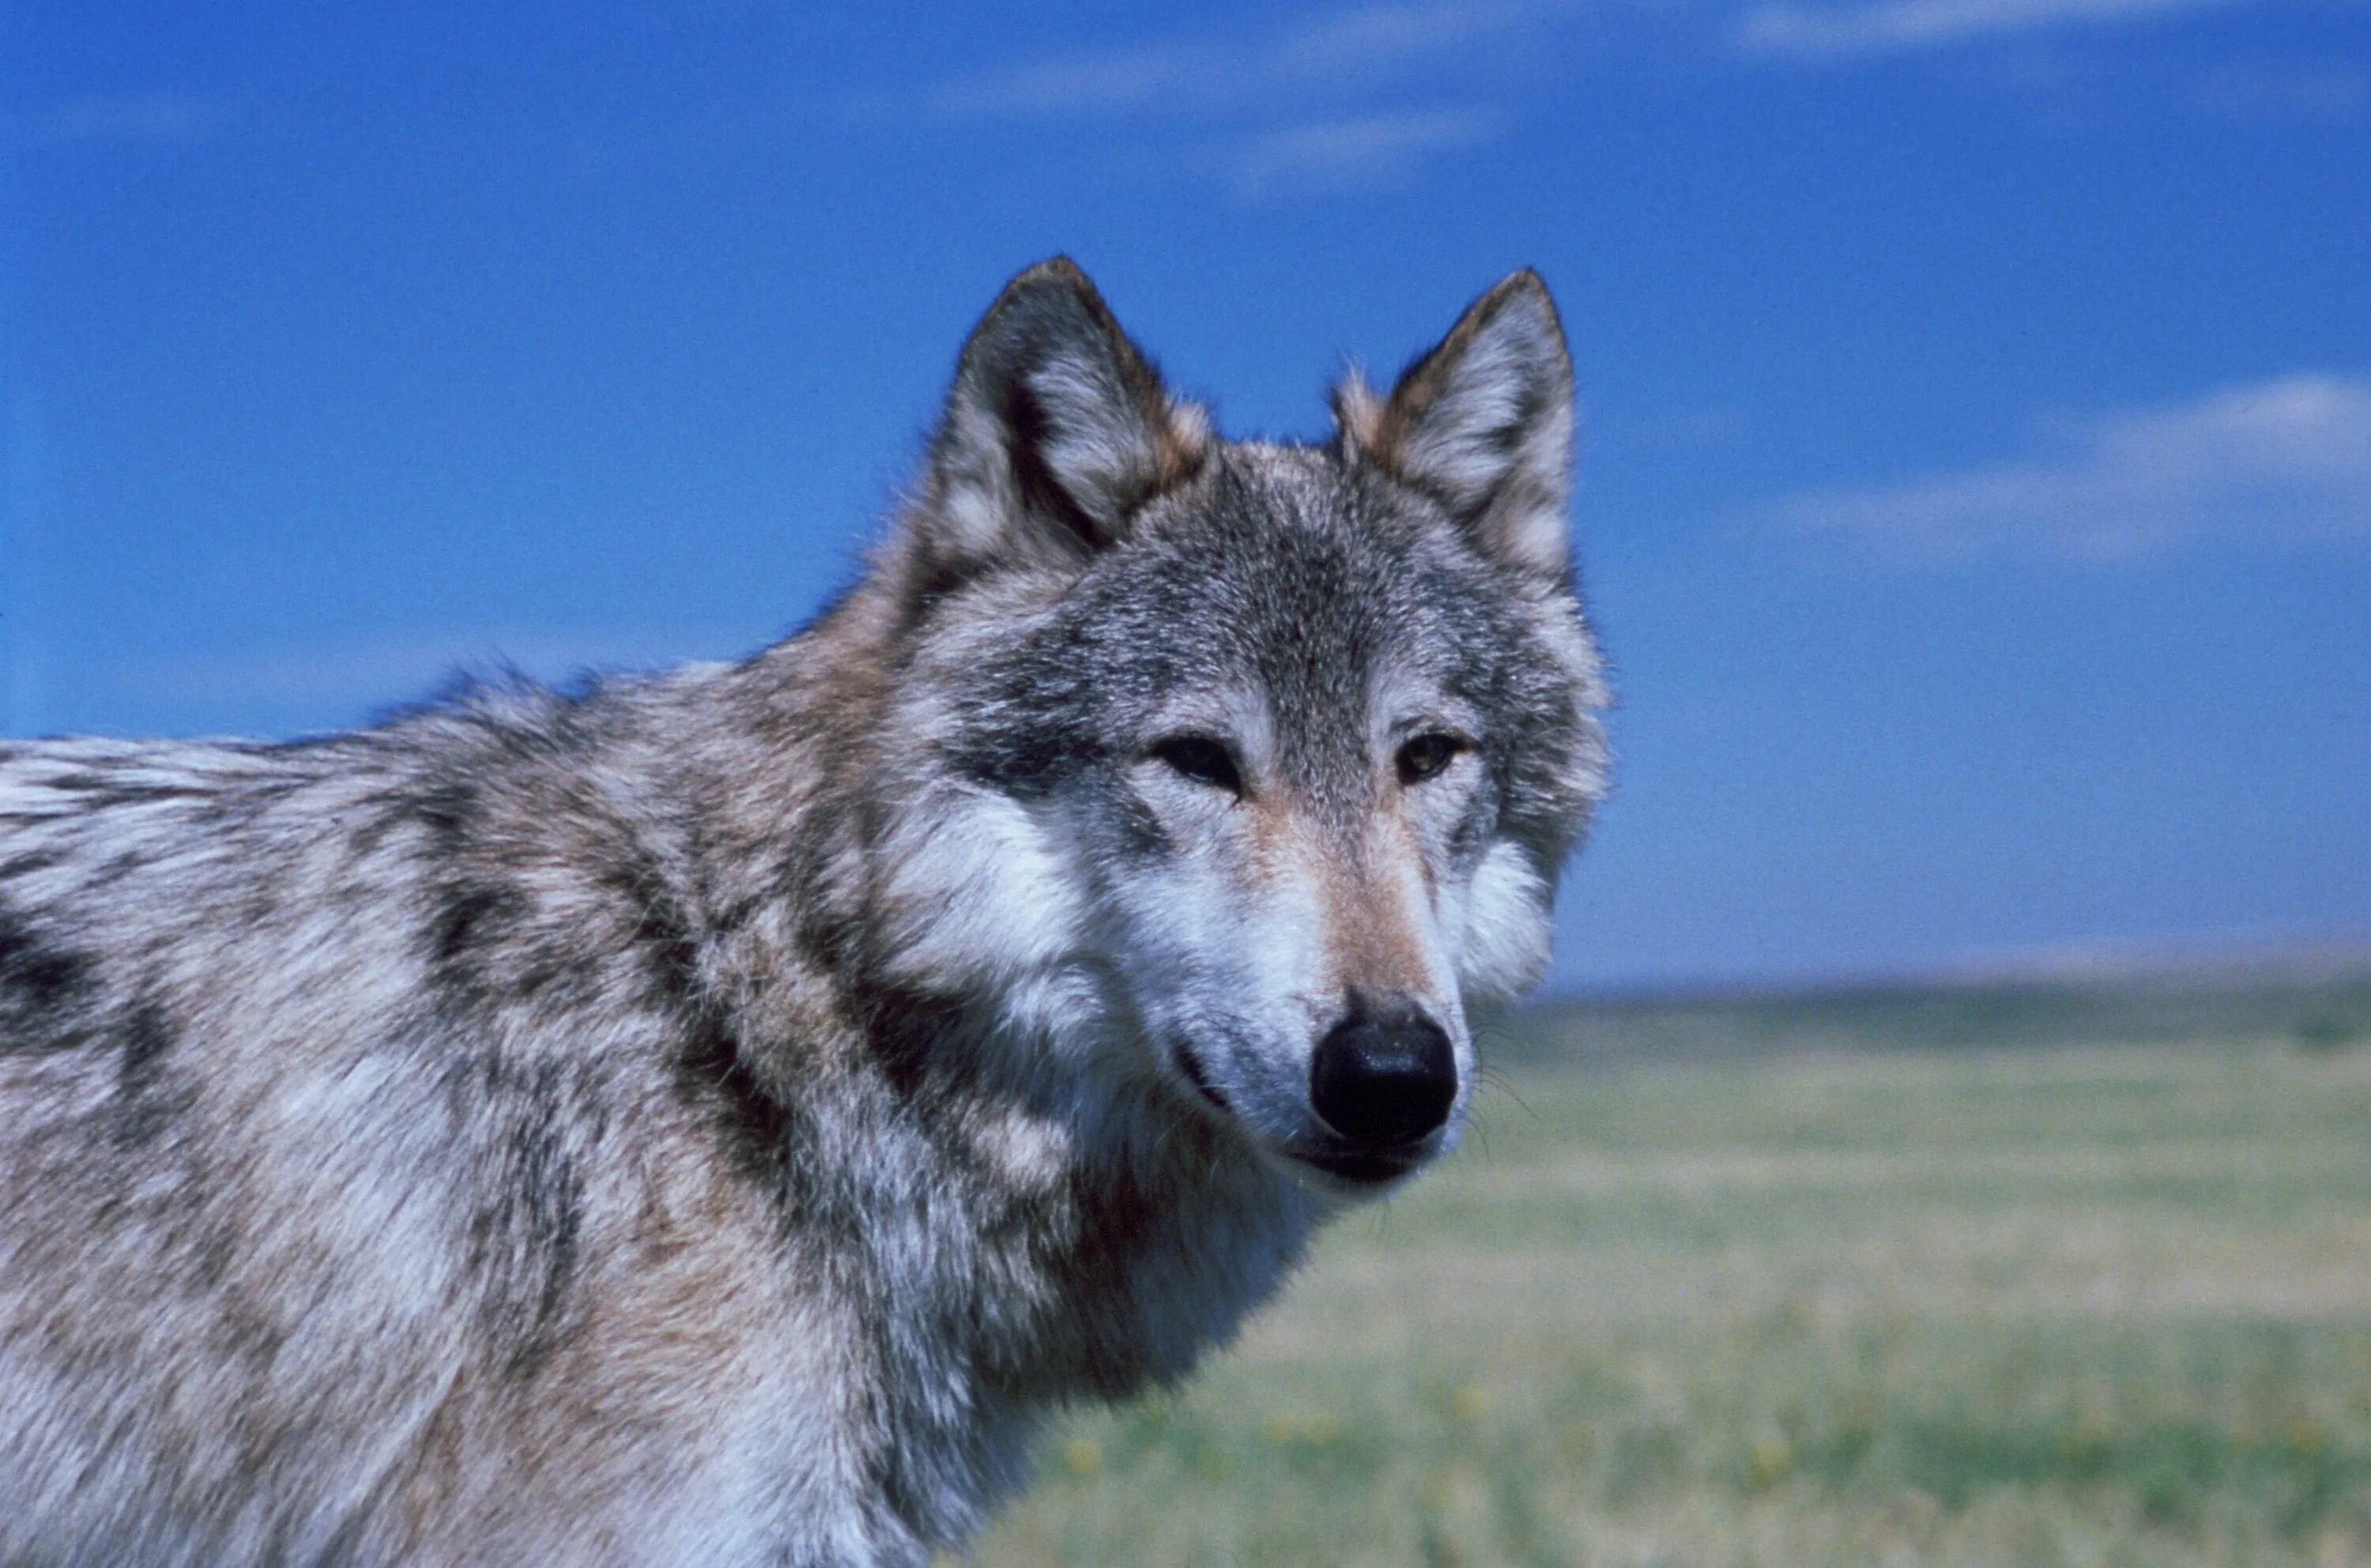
(1385, 1077)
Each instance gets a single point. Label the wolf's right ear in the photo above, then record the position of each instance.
(1483, 422)
(1057, 429)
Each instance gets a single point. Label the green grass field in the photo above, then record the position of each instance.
(1902, 1280)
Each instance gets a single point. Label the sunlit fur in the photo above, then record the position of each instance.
(715, 1118)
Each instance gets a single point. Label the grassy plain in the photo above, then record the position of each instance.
(2002, 1276)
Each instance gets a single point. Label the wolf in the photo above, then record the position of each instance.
(716, 1117)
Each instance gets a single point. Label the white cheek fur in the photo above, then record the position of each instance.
(1505, 945)
(976, 891)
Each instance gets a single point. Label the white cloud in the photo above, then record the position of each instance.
(2281, 462)
(1331, 58)
(1314, 106)
(1100, 82)
(1894, 26)
(1355, 153)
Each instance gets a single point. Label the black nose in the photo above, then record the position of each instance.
(1384, 1077)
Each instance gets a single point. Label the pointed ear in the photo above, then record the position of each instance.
(1057, 430)
(1484, 423)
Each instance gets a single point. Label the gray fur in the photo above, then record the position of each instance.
(713, 1118)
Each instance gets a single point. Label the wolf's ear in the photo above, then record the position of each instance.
(1056, 431)
(1483, 422)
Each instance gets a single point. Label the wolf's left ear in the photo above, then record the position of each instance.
(1056, 431)
(1484, 423)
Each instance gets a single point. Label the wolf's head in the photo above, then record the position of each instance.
(1240, 771)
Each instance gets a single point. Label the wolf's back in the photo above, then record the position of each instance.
(312, 1063)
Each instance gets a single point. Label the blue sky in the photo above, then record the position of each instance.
(1976, 489)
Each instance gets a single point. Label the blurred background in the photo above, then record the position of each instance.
(1946, 1142)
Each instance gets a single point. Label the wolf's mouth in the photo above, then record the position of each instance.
(1360, 1166)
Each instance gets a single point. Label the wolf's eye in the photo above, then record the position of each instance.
(1203, 760)
(1428, 755)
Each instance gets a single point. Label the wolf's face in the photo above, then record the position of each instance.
(1245, 771)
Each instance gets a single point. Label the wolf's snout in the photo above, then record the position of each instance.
(1383, 1078)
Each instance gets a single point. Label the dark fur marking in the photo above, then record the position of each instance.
(551, 1218)
(710, 1061)
(1531, 400)
(1137, 829)
(904, 1030)
(525, 1240)
(119, 791)
(27, 864)
(1024, 416)
(447, 811)
(142, 1110)
(38, 979)
(470, 919)
(756, 1121)
(120, 867)
(1119, 1223)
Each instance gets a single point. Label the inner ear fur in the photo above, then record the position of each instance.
(1483, 422)
(1056, 431)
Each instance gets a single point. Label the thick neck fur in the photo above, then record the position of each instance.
(1066, 1234)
